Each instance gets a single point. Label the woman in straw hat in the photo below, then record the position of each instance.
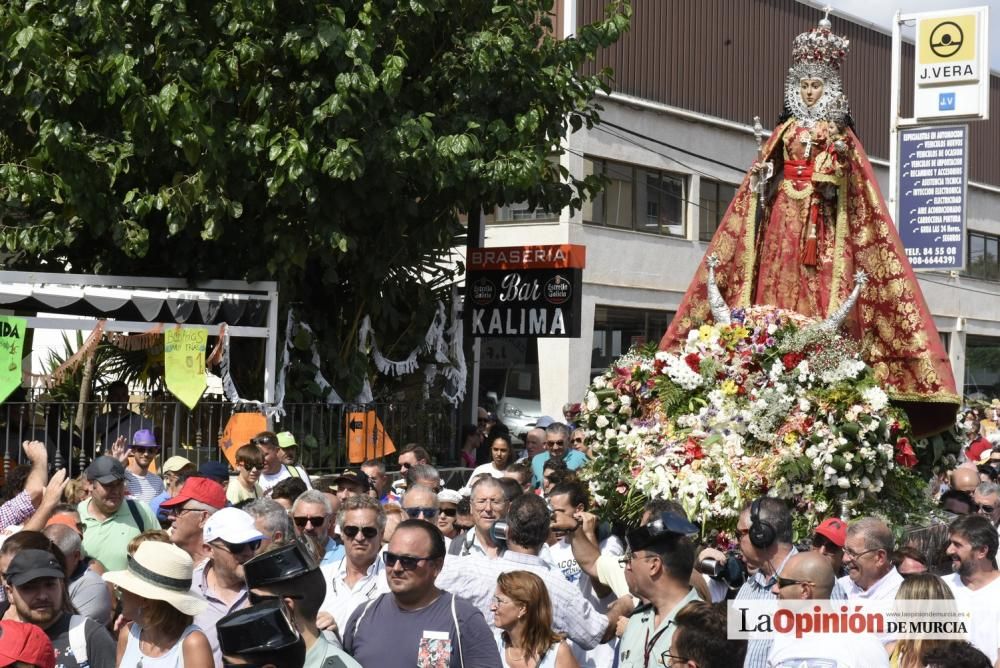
(156, 596)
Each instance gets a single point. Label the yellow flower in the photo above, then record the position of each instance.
(791, 437)
(705, 333)
(740, 332)
(729, 387)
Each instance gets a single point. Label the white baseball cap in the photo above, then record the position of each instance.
(231, 525)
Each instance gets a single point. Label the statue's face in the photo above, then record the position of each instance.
(811, 91)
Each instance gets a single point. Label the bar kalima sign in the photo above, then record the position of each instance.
(524, 291)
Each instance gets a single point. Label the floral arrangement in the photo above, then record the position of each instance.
(773, 403)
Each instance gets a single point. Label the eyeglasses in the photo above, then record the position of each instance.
(578, 440)
(177, 512)
(303, 522)
(668, 659)
(408, 563)
(740, 533)
(629, 556)
(448, 512)
(415, 513)
(559, 442)
(237, 548)
(788, 582)
(857, 555)
(988, 510)
(824, 543)
(351, 531)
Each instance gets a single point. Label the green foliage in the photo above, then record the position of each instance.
(329, 145)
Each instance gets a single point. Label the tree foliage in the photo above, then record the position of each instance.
(326, 144)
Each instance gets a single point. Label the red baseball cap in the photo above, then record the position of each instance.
(27, 643)
(202, 490)
(835, 529)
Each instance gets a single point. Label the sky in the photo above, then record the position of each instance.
(880, 14)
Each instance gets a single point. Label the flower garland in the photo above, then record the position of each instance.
(769, 404)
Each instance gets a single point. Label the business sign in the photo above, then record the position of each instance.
(184, 363)
(12, 331)
(951, 73)
(531, 291)
(932, 195)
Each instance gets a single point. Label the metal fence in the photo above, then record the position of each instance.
(74, 433)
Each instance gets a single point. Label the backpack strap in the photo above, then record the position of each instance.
(136, 515)
(458, 631)
(292, 470)
(78, 639)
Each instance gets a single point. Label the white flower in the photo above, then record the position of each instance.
(804, 405)
(626, 401)
(592, 402)
(602, 421)
(843, 483)
(876, 397)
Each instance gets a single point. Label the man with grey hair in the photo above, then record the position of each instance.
(868, 561)
(423, 474)
(986, 498)
(557, 444)
(488, 503)
(312, 513)
(272, 520)
(375, 470)
(360, 576)
(87, 590)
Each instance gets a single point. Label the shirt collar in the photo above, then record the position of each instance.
(762, 582)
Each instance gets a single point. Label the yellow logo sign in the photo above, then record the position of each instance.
(950, 39)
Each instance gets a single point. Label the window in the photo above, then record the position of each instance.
(984, 256)
(715, 198)
(982, 366)
(520, 211)
(616, 330)
(637, 198)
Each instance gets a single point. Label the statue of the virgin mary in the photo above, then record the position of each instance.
(808, 215)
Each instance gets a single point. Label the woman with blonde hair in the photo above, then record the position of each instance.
(909, 652)
(522, 614)
(156, 596)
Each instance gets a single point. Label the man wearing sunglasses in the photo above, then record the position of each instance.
(828, 540)
(290, 572)
(557, 442)
(312, 513)
(231, 540)
(809, 576)
(141, 484)
(421, 503)
(417, 619)
(189, 512)
(360, 576)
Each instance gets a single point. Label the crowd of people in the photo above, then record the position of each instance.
(184, 565)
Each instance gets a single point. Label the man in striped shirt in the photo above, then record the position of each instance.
(764, 531)
(141, 484)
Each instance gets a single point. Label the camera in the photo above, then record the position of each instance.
(498, 531)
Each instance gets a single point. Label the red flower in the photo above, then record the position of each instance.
(905, 456)
(692, 451)
(693, 361)
(791, 360)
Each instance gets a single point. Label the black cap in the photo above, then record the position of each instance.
(215, 470)
(668, 525)
(105, 470)
(357, 477)
(28, 565)
(280, 564)
(264, 627)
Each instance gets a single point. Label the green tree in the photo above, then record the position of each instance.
(327, 144)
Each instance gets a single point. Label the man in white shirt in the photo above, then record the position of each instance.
(868, 560)
(360, 576)
(274, 470)
(972, 546)
(805, 576)
(488, 504)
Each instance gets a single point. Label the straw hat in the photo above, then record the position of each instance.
(161, 572)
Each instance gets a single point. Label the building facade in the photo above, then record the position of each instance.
(675, 141)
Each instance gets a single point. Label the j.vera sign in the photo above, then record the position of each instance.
(529, 291)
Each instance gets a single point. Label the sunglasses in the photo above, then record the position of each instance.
(140, 448)
(237, 548)
(825, 543)
(303, 522)
(984, 509)
(578, 440)
(408, 563)
(560, 442)
(351, 531)
(448, 512)
(415, 513)
(788, 582)
(462, 527)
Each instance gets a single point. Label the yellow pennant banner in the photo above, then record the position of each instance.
(11, 345)
(184, 359)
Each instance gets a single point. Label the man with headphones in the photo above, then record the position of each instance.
(764, 531)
